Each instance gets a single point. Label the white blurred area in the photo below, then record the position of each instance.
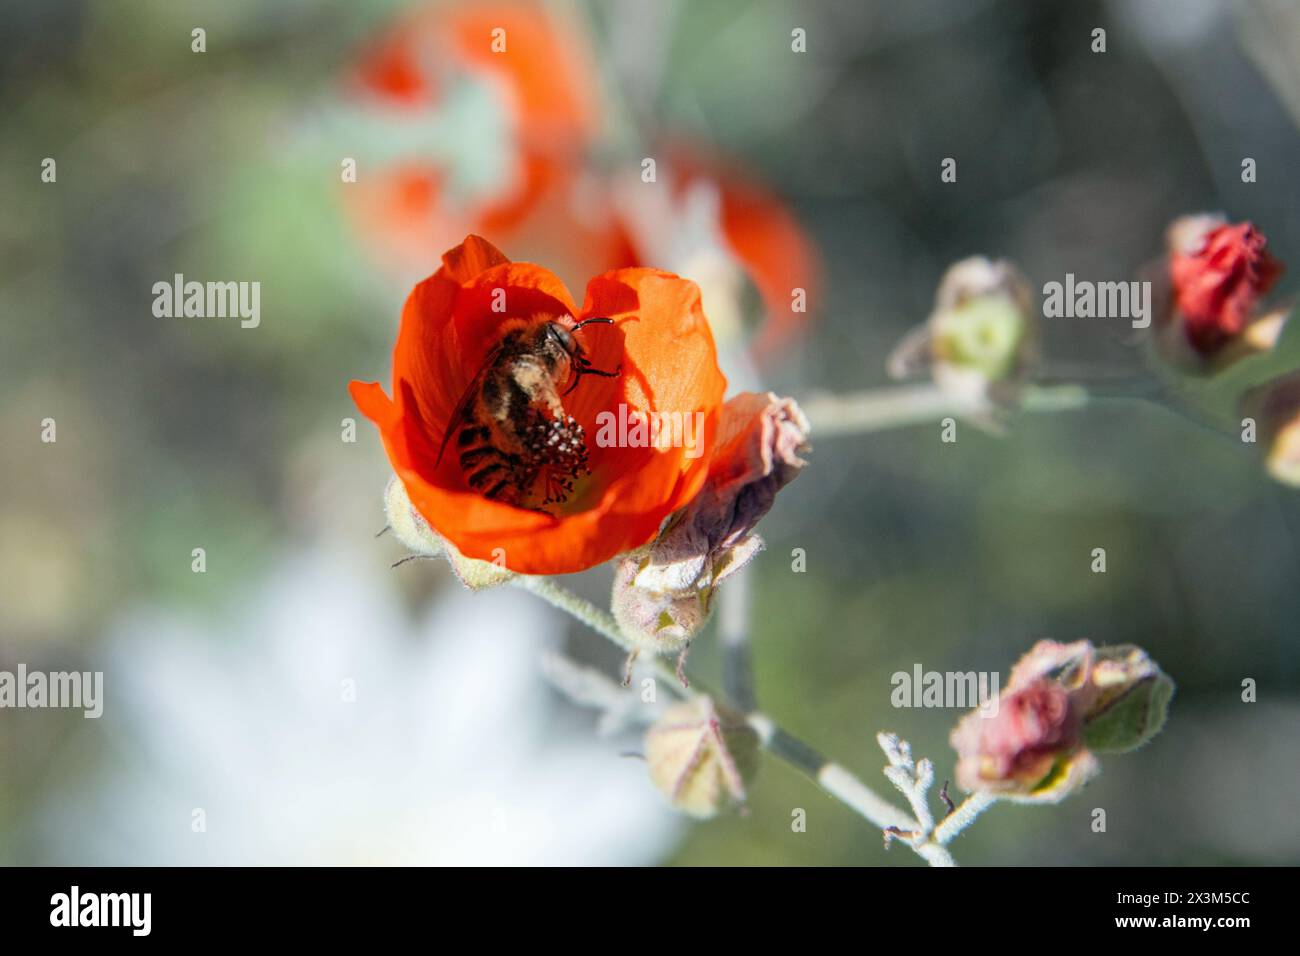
(451, 752)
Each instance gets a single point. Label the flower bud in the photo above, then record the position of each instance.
(1276, 410)
(1062, 702)
(473, 573)
(1130, 703)
(980, 332)
(407, 524)
(1217, 272)
(663, 592)
(702, 757)
(1029, 747)
(410, 528)
(661, 622)
(1283, 458)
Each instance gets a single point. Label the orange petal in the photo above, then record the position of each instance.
(668, 351)
(374, 404)
(471, 258)
(778, 256)
(427, 350)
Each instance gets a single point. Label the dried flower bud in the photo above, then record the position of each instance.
(662, 593)
(1130, 702)
(661, 622)
(980, 332)
(1218, 271)
(702, 757)
(410, 528)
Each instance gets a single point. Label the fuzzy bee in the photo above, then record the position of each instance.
(513, 439)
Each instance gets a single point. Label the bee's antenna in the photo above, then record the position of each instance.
(600, 321)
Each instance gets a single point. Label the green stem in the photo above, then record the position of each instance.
(899, 406)
(600, 621)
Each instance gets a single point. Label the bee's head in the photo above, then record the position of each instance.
(555, 336)
(563, 350)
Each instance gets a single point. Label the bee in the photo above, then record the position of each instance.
(514, 442)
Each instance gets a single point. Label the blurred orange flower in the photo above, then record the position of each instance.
(615, 500)
(539, 73)
(767, 242)
(551, 196)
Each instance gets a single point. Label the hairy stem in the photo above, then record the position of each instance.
(962, 817)
(898, 406)
(600, 621)
(830, 776)
(878, 409)
(733, 631)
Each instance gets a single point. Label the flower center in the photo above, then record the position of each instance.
(555, 456)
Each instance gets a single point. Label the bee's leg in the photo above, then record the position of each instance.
(412, 557)
(588, 370)
(585, 368)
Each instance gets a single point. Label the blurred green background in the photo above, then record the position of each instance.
(174, 434)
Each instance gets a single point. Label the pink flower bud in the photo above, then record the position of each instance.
(1015, 750)
(1061, 702)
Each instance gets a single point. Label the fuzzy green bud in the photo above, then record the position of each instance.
(1131, 703)
(410, 528)
(702, 757)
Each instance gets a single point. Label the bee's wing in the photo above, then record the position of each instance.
(466, 402)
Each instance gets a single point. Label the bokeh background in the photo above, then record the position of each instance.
(223, 688)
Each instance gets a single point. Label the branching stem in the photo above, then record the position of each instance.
(833, 778)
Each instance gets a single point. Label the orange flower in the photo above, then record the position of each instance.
(778, 257)
(660, 343)
(542, 192)
(766, 240)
